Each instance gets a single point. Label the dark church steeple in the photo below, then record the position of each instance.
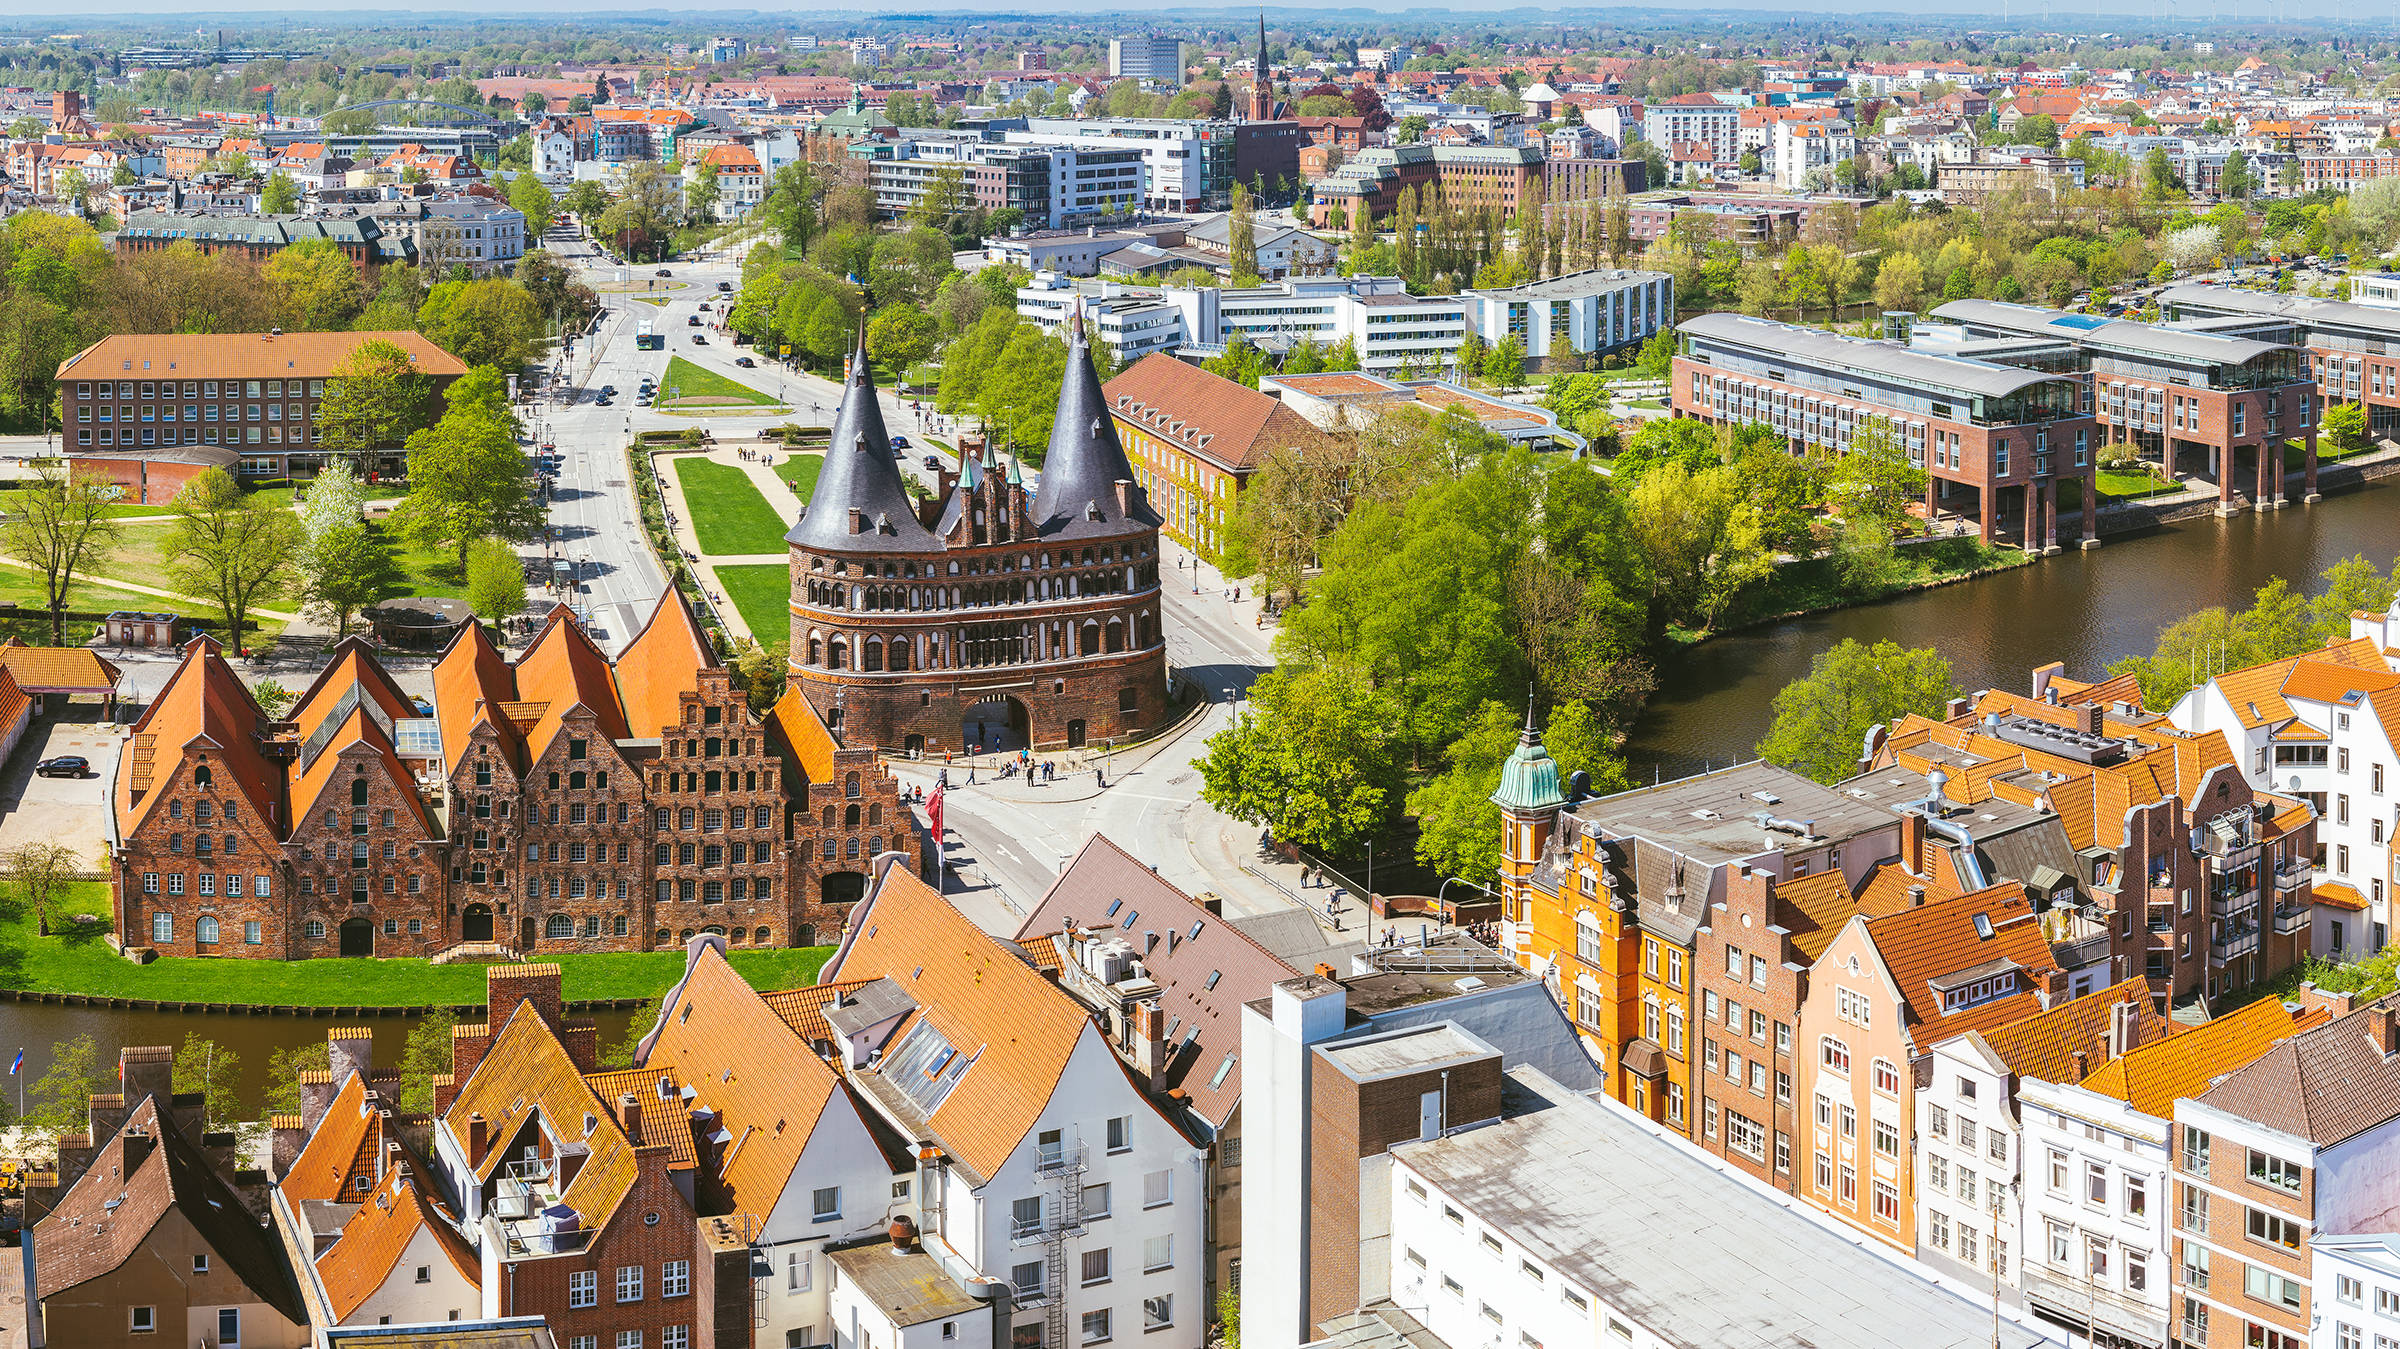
(1262, 90)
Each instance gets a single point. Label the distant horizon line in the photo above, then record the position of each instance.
(2066, 18)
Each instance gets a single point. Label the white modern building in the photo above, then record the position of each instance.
(1549, 1226)
(2095, 1201)
(2356, 1290)
(1799, 152)
(1146, 58)
(485, 235)
(2324, 727)
(1690, 121)
(1578, 314)
(1188, 165)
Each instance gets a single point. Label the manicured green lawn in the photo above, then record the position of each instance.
(800, 471)
(686, 381)
(762, 592)
(432, 572)
(21, 588)
(726, 509)
(58, 965)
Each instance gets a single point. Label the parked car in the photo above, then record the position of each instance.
(745, 362)
(64, 766)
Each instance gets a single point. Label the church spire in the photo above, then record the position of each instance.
(1262, 92)
(860, 502)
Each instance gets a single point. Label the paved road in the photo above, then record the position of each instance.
(1007, 842)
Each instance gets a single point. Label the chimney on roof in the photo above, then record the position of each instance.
(2122, 1022)
(1146, 1034)
(389, 1161)
(479, 1137)
(1916, 896)
(1912, 842)
(2383, 1027)
(1954, 709)
(2083, 1064)
(629, 1117)
(2087, 718)
(2340, 1004)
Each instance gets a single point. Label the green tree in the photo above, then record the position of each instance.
(2038, 129)
(468, 480)
(791, 206)
(60, 528)
(1282, 516)
(533, 200)
(42, 873)
(2344, 427)
(2235, 181)
(1873, 479)
(495, 580)
(1020, 395)
(60, 1100)
(1241, 237)
(281, 196)
(272, 697)
(1458, 831)
(586, 200)
(760, 670)
(375, 401)
(204, 1066)
(702, 193)
(313, 287)
(284, 1067)
(1821, 721)
(1504, 365)
(1700, 539)
(425, 1056)
(899, 336)
(229, 547)
(1315, 758)
(491, 323)
(642, 220)
(344, 571)
(1900, 283)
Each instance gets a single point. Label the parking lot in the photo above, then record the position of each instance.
(69, 811)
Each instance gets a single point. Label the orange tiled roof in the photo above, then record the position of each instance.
(246, 355)
(470, 683)
(527, 1070)
(58, 669)
(1941, 938)
(2338, 895)
(204, 709)
(803, 1009)
(361, 1261)
(2044, 1045)
(659, 666)
(566, 669)
(986, 999)
(747, 1064)
(344, 1149)
(804, 733)
(2152, 1077)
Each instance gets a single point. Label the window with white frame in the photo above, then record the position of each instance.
(629, 1283)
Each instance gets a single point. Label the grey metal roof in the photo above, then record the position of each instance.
(1666, 1239)
(2296, 308)
(2148, 339)
(859, 474)
(1907, 365)
(1085, 463)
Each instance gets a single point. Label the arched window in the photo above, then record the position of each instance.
(202, 776)
(313, 929)
(616, 926)
(829, 817)
(850, 847)
(870, 655)
(762, 936)
(665, 936)
(837, 655)
(560, 925)
(898, 658)
(358, 791)
(850, 817)
(174, 810)
(874, 845)
(850, 786)
(875, 812)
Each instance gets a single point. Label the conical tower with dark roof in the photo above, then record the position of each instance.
(1262, 89)
(861, 503)
(1088, 487)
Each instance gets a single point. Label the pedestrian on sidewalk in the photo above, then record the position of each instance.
(1100, 779)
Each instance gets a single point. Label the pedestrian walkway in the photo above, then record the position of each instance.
(760, 469)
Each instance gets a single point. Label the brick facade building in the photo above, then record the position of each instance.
(582, 806)
(993, 614)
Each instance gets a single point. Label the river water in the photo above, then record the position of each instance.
(2086, 608)
(37, 1029)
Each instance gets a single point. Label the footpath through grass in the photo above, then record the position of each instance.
(727, 511)
(686, 383)
(761, 591)
(88, 965)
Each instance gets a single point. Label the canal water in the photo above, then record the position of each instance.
(38, 1029)
(2086, 608)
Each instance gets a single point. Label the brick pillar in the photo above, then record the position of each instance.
(1987, 502)
(2265, 500)
(2224, 458)
(2091, 503)
(2033, 517)
(2050, 515)
(2308, 470)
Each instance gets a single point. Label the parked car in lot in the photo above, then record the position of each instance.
(64, 766)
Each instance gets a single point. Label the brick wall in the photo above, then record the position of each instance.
(651, 1226)
(163, 867)
(1746, 927)
(396, 889)
(718, 850)
(584, 812)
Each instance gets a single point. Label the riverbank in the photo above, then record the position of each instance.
(38, 968)
(1816, 585)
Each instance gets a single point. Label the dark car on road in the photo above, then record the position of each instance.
(692, 322)
(602, 401)
(933, 464)
(900, 442)
(664, 272)
(699, 339)
(725, 285)
(64, 766)
(745, 362)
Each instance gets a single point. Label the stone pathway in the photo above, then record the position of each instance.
(779, 496)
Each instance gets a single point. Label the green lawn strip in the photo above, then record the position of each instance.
(21, 588)
(726, 509)
(799, 472)
(431, 572)
(685, 380)
(119, 511)
(1817, 582)
(90, 967)
(762, 592)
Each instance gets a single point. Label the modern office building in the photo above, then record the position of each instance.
(1189, 165)
(2353, 349)
(1993, 439)
(2218, 406)
(1574, 316)
(1146, 58)
(1054, 185)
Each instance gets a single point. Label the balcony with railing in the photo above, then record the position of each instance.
(2192, 1221)
(2235, 946)
(2292, 876)
(2104, 1309)
(2291, 918)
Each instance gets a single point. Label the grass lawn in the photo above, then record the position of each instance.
(23, 589)
(431, 571)
(89, 966)
(726, 510)
(685, 380)
(118, 511)
(762, 592)
(800, 471)
(1818, 581)
(2294, 456)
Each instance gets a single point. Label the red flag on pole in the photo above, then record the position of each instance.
(933, 815)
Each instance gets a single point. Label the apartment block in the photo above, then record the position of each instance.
(1696, 118)
(1054, 185)
(1575, 316)
(152, 411)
